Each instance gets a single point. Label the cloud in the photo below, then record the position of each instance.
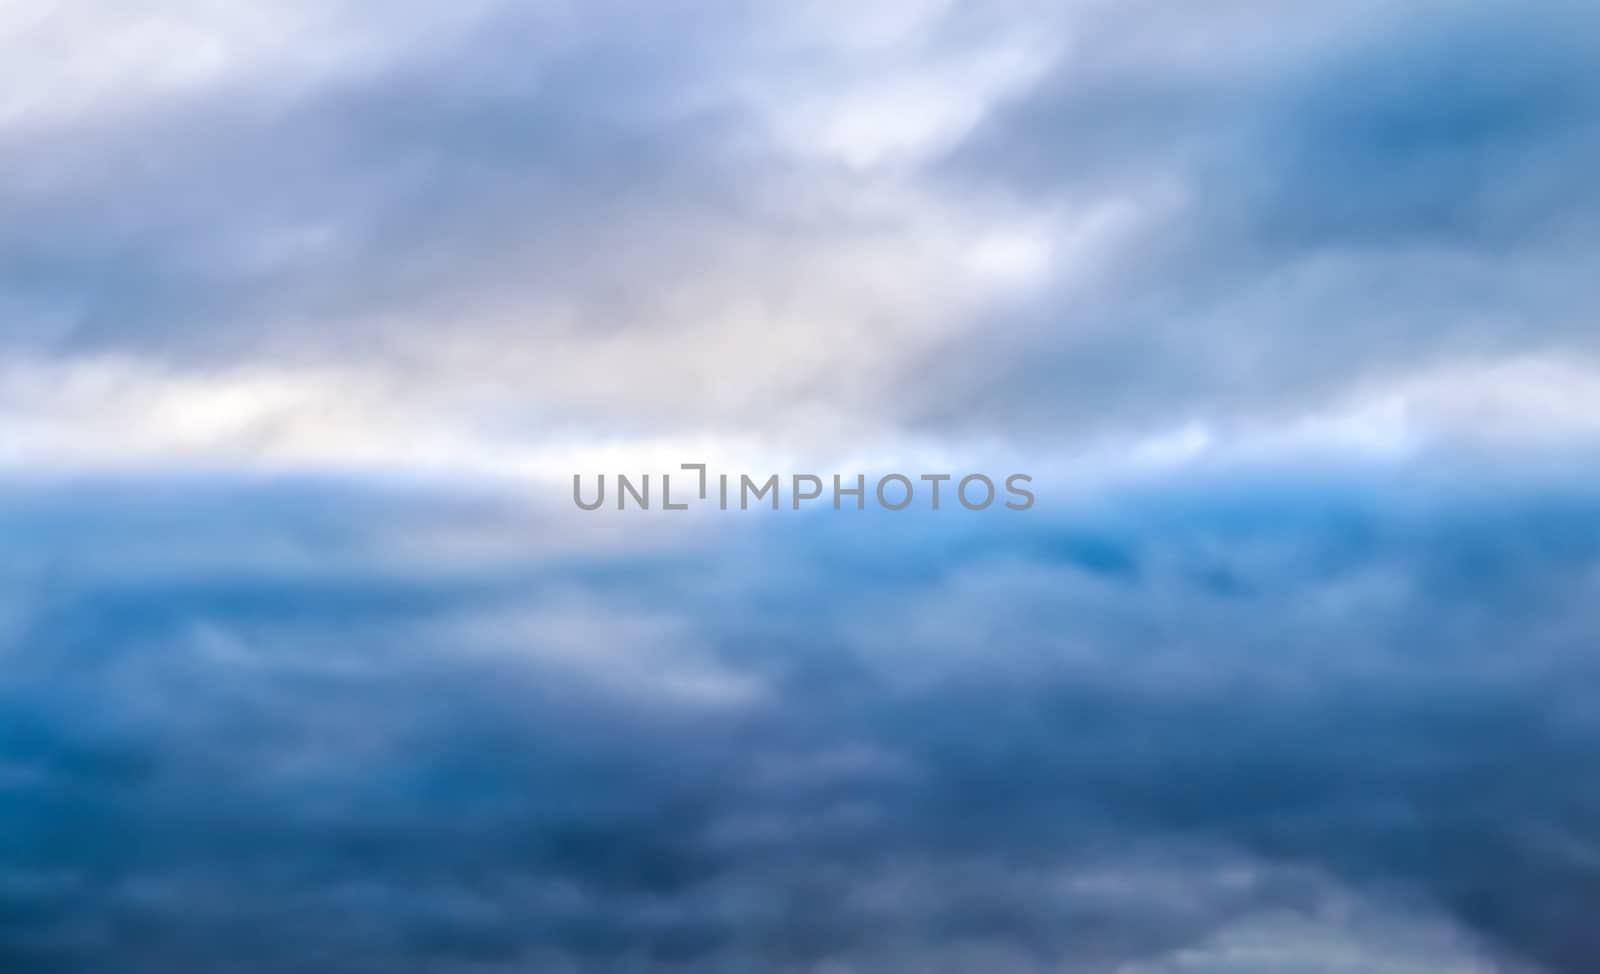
(1309, 209)
(1130, 734)
(1288, 314)
(546, 207)
(1042, 228)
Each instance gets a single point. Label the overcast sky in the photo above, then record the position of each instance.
(309, 311)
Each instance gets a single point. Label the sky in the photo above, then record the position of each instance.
(310, 312)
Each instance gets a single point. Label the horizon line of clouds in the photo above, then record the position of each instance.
(105, 416)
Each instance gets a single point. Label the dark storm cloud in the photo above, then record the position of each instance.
(1082, 744)
(1347, 198)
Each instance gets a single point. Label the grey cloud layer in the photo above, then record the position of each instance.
(1079, 744)
(560, 207)
(1351, 198)
(553, 204)
(430, 176)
